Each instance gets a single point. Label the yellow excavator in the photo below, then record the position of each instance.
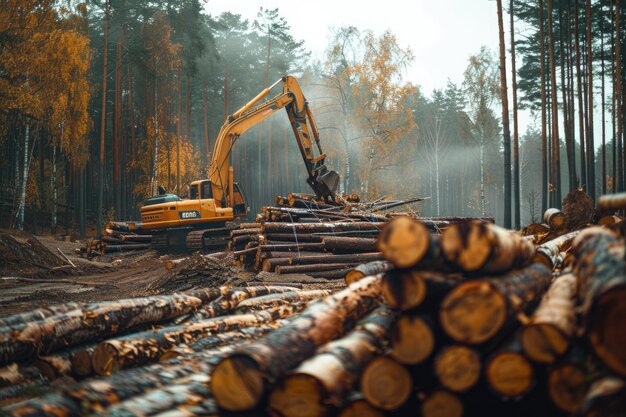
(200, 220)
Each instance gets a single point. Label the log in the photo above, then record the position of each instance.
(354, 244)
(81, 362)
(555, 218)
(297, 285)
(458, 368)
(404, 242)
(610, 219)
(303, 269)
(276, 300)
(270, 227)
(485, 248)
(357, 406)
(35, 315)
(548, 253)
(293, 237)
(136, 238)
(295, 247)
(601, 271)
(268, 264)
(567, 381)
(553, 323)
(253, 231)
(332, 274)
(240, 381)
(475, 311)
(365, 270)
(413, 339)
(223, 339)
(126, 247)
(15, 374)
(612, 202)
(442, 403)
(54, 366)
(112, 240)
(145, 347)
(508, 372)
(95, 322)
(406, 289)
(326, 379)
(606, 398)
(385, 383)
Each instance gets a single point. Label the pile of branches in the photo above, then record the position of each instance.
(133, 349)
(301, 235)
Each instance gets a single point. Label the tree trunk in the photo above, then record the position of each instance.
(591, 160)
(205, 117)
(618, 98)
(103, 111)
(505, 122)
(328, 377)
(516, 166)
(117, 124)
(179, 121)
(544, 139)
(476, 311)
(569, 145)
(53, 181)
(240, 380)
(556, 159)
(581, 114)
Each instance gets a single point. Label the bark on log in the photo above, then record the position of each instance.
(406, 289)
(578, 209)
(95, 322)
(442, 403)
(485, 248)
(601, 271)
(555, 218)
(413, 339)
(240, 380)
(269, 264)
(297, 285)
(404, 242)
(332, 274)
(293, 237)
(325, 380)
(145, 347)
(553, 323)
(15, 374)
(458, 368)
(126, 247)
(355, 244)
(295, 247)
(223, 339)
(136, 238)
(475, 311)
(16, 320)
(368, 269)
(385, 383)
(54, 366)
(548, 253)
(270, 227)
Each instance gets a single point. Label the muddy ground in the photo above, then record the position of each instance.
(34, 274)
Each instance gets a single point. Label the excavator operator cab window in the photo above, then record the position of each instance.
(193, 192)
(207, 191)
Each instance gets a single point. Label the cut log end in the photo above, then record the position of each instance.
(404, 242)
(510, 374)
(385, 383)
(467, 245)
(412, 341)
(606, 332)
(543, 342)
(104, 359)
(567, 386)
(360, 408)
(81, 363)
(442, 404)
(237, 383)
(473, 312)
(458, 368)
(298, 395)
(403, 289)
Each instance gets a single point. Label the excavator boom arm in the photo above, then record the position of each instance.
(323, 181)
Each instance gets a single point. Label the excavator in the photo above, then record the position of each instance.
(201, 220)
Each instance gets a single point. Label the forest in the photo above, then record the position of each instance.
(102, 101)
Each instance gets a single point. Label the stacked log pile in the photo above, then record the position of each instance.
(118, 237)
(475, 321)
(300, 235)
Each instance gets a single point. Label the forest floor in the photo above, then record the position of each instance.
(34, 274)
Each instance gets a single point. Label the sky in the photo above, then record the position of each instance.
(441, 33)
